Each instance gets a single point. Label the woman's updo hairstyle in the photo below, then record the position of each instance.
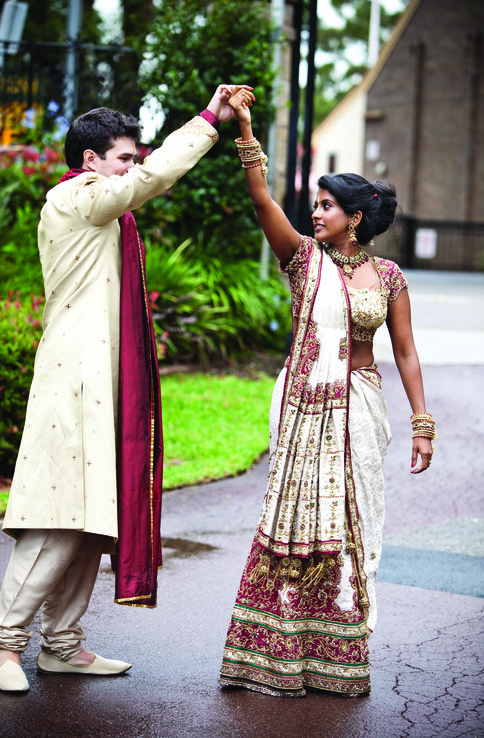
(377, 202)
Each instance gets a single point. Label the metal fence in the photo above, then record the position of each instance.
(433, 244)
(71, 78)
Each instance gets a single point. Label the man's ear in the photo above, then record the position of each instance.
(90, 159)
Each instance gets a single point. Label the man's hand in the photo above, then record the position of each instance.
(219, 104)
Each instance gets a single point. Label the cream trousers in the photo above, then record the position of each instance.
(57, 568)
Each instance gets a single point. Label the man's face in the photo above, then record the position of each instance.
(118, 160)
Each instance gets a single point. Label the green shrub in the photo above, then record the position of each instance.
(205, 308)
(20, 332)
(26, 175)
(228, 41)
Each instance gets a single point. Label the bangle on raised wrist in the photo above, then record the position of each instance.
(251, 154)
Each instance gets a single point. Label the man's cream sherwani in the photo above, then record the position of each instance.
(65, 475)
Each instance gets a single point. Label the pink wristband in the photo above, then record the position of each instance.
(210, 118)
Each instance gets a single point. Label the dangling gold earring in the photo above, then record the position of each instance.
(351, 234)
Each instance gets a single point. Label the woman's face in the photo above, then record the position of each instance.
(330, 220)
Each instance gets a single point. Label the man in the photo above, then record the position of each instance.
(88, 474)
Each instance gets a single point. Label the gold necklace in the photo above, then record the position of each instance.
(347, 264)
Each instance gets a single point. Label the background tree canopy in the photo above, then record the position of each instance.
(193, 46)
(46, 21)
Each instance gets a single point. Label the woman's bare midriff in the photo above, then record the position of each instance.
(361, 354)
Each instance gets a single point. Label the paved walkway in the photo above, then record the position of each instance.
(447, 318)
(427, 649)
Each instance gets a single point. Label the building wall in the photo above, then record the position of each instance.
(342, 136)
(425, 111)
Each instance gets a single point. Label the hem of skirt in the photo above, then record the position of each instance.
(357, 691)
(264, 689)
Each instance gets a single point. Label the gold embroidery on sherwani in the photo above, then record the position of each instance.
(199, 127)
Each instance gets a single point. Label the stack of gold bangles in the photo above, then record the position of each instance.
(423, 425)
(251, 154)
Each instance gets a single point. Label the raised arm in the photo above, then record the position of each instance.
(406, 359)
(282, 237)
(101, 199)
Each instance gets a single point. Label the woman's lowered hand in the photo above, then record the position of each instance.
(422, 446)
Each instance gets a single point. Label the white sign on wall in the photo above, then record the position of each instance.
(426, 243)
(372, 150)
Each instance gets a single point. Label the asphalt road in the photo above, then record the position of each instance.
(427, 648)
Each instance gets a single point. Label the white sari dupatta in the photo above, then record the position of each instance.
(304, 507)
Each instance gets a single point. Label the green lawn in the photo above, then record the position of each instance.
(214, 426)
(3, 501)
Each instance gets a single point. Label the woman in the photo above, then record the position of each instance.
(306, 602)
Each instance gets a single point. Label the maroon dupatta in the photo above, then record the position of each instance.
(139, 443)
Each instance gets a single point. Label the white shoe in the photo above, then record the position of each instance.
(12, 677)
(99, 667)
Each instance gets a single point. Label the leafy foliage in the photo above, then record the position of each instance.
(20, 331)
(206, 308)
(194, 46)
(27, 172)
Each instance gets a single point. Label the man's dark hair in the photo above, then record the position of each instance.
(97, 130)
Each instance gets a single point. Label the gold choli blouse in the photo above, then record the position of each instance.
(369, 306)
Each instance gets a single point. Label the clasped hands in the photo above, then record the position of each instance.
(229, 99)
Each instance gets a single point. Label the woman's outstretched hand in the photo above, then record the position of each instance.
(240, 102)
(219, 104)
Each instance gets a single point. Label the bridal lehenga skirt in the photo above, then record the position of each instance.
(289, 633)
